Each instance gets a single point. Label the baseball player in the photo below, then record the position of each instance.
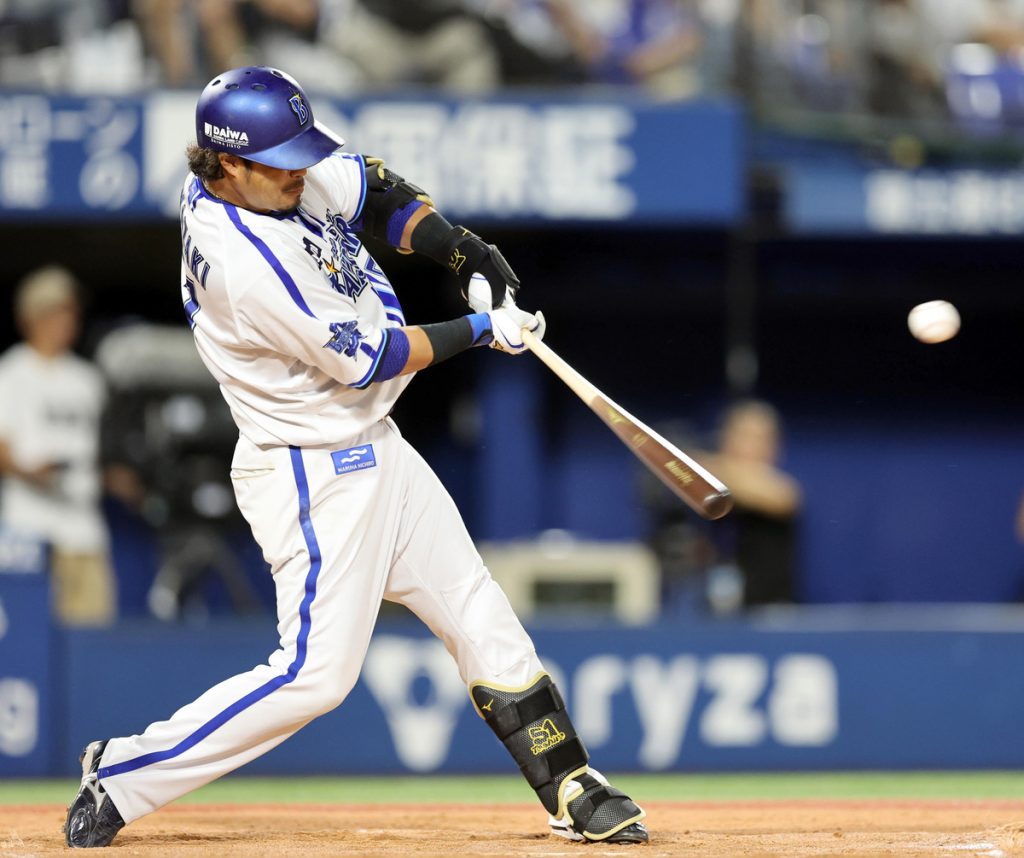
(307, 338)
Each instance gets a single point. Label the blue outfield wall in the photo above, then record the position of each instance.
(758, 695)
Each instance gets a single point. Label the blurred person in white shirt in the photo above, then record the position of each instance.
(49, 442)
(996, 23)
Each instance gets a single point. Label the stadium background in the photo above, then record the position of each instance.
(666, 240)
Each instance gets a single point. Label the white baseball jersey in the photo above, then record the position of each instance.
(50, 415)
(290, 312)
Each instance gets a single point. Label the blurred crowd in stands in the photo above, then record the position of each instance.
(920, 58)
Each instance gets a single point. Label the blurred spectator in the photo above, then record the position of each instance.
(192, 40)
(905, 67)
(654, 43)
(532, 50)
(430, 42)
(757, 541)
(720, 28)
(49, 441)
(166, 31)
(918, 59)
(806, 53)
(996, 23)
(71, 45)
(231, 28)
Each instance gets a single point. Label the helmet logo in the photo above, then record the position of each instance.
(226, 136)
(299, 108)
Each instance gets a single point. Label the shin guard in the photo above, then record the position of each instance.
(532, 723)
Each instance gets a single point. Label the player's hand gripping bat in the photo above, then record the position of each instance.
(698, 488)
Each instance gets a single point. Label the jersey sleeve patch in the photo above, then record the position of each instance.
(346, 338)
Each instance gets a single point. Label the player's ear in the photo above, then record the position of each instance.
(233, 165)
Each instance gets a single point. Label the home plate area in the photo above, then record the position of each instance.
(764, 828)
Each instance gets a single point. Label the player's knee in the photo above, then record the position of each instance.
(325, 690)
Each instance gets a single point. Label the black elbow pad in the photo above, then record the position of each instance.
(386, 194)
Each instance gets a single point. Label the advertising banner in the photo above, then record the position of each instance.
(654, 699)
(514, 161)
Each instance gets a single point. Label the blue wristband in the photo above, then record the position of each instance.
(481, 325)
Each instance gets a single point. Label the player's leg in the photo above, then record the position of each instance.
(440, 576)
(312, 525)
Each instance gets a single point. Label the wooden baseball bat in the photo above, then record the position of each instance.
(697, 487)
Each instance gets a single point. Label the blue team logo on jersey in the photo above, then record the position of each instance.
(345, 247)
(346, 339)
(299, 108)
(354, 459)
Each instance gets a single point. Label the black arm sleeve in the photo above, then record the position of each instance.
(449, 338)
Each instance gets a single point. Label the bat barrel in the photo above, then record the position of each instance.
(700, 490)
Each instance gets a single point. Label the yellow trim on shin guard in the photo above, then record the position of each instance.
(507, 689)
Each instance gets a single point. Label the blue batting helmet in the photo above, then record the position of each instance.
(262, 114)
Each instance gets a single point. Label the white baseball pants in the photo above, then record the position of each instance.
(340, 534)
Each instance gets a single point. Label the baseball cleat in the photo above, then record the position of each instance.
(597, 812)
(92, 818)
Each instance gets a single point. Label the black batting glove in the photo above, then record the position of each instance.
(467, 254)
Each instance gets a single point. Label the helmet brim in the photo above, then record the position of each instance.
(309, 148)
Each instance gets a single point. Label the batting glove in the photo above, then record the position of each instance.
(479, 295)
(507, 323)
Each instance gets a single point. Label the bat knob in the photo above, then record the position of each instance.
(717, 505)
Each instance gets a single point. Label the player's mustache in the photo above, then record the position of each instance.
(297, 186)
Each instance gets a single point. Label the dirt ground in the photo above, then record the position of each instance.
(741, 830)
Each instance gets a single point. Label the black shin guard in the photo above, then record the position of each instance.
(535, 728)
(532, 723)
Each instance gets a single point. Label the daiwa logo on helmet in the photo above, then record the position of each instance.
(226, 136)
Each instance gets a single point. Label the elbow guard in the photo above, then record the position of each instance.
(390, 202)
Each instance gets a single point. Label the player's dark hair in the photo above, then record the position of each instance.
(205, 163)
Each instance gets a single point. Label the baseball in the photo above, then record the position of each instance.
(934, 321)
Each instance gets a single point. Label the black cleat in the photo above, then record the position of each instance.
(634, 833)
(597, 812)
(92, 818)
